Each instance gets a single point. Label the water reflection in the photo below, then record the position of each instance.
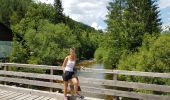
(93, 75)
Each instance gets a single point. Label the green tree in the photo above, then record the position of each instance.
(128, 21)
(133, 19)
(152, 21)
(48, 44)
(12, 11)
(59, 16)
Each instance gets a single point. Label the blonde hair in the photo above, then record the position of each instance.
(72, 48)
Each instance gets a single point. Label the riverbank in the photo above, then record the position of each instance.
(85, 63)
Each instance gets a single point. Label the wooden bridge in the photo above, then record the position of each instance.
(8, 92)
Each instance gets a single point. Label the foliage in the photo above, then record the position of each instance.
(128, 21)
(59, 16)
(43, 34)
(12, 11)
(47, 44)
(77, 26)
(153, 56)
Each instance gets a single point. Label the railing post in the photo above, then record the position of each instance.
(51, 73)
(6, 69)
(115, 78)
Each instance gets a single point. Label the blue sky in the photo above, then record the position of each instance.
(93, 12)
(164, 7)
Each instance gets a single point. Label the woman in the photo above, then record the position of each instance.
(68, 74)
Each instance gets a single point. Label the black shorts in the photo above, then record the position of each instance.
(68, 75)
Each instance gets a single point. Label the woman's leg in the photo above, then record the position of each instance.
(65, 88)
(75, 82)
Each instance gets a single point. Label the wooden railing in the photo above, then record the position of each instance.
(84, 81)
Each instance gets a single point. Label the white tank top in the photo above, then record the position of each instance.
(70, 65)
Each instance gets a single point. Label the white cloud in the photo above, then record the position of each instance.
(165, 27)
(164, 4)
(96, 26)
(86, 11)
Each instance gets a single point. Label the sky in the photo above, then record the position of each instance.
(93, 12)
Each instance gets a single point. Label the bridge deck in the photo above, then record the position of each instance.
(10, 95)
(17, 93)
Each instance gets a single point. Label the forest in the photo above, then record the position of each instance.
(43, 34)
(133, 40)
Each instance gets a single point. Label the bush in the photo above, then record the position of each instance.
(46, 44)
(153, 56)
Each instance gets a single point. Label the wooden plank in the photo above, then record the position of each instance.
(125, 84)
(32, 97)
(51, 73)
(138, 73)
(32, 92)
(20, 97)
(45, 98)
(31, 75)
(14, 98)
(124, 93)
(32, 82)
(3, 92)
(113, 92)
(52, 99)
(92, 90)
(11, 96)
(31, 66)
(123, 72)
(88, 98)
(39, 98)
(83, 81)
(23, 96)
(7, 94)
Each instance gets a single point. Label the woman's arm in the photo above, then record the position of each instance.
(64, 64)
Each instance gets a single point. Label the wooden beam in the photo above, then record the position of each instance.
(90, 89)
(122, 72)
(31, 66)
(124, 93)
(86, 81)
(154, 87)
(32, 82)
(31, 75)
